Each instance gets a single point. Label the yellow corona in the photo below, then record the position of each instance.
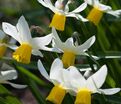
(58, 21)
(95, 15)
(56, 95)
(68, 59)
(23, 53)
(83, 96)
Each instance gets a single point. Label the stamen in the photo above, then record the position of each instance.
(83, 96)
(23, 53)
(68, 59)
(95, 15)
(58, 21)
(56, 95)
(2, 50)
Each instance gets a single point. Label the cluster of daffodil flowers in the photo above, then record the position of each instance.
(63, 73)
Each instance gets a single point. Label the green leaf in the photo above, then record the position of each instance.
(30, 75)
(7, 97)
(35, 91)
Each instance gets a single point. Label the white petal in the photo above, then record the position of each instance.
(57, 64)
(80, 8)
(37, 53)
(116, 13)
(76, 79)
(109, 91)
(41, 41)
(43, 71)
(88, 73)
(95, 57)
(96, 80)
(55, 71)
(2, 34)
(86, 45)
(57, 40)
(48, 4)
(66, 9)
(8, 75)
(66, 79)
(69, 46)
(23, 30)
(103, 7)
(81, 18)
(69, 42)
(58, 4)
(11, 30)
(56, 47)
(7, 67)
(77, 16)
(55, 34)
(12, 46)
(92, 2)
(85, 69)
(16, 85)
(43, 3)
(51, 49)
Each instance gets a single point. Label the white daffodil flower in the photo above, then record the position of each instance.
(2, 42)
(58, 76)
(11, 74)
(70, 49)
(98, 9)
(83, 88)
(61, 12)
(28, 45)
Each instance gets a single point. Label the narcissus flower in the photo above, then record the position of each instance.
(58, 76)
(7, 75)
(83, 88)
(98, 9)
(61, 12)
(2, 42)
(69, 49)
(28, 45)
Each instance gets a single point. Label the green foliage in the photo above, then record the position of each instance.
(107, 47)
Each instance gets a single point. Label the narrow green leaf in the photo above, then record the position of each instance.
(7, 97)
(30, 75)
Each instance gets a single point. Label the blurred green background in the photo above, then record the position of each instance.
(107, 46)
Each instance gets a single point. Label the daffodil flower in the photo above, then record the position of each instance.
(61, 12)
(7, 75)
(58, 76)
(98, 9)
(2, 42)
(69, 49)
(28, 45)
(83, 88)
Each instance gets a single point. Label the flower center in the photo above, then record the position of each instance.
(83, 96)
(23, 53)
(95, 15)
(2, 50)
(58, 21)
(68, 59)
(56, 95)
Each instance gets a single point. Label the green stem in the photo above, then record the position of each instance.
(36, 92)
(30, 75)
